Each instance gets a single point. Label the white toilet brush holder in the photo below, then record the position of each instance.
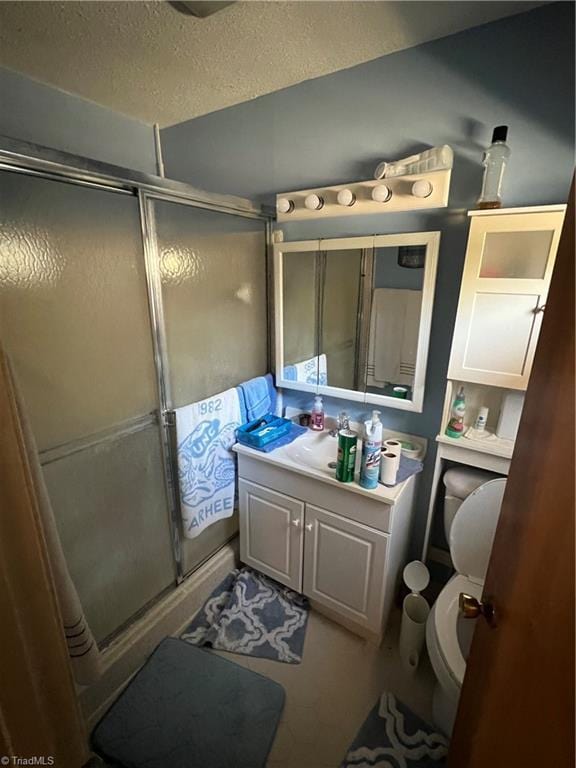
(415, 611)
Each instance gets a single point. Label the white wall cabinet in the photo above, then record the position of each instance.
(509, 262)
(344, 550)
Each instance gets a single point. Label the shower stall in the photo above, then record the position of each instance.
(122, 297)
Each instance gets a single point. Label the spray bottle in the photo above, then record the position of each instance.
(371, 450)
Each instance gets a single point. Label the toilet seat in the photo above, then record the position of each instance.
(471, 538)
(473, 529)
(445, 625)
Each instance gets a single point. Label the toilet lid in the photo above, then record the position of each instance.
(454, 633)
(462, 481)
(473, 529)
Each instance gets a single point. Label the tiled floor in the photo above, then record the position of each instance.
(330, 693)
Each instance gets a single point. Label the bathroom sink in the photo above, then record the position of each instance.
(317, 450)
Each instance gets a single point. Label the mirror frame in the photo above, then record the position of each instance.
(432, 242)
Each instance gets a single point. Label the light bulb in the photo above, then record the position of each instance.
(284, 205)
(422, 188)
(380, 171)
(381, 193)
(314, 202)
(346, 197)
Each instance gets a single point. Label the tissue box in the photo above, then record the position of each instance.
(262, 431)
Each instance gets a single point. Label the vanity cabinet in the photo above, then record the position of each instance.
(270, 533)
(509, 262)
(344, 564)
(341, 546)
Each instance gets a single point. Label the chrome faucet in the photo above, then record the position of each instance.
(342, 422)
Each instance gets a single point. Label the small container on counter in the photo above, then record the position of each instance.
(347, 442)
(317, 417)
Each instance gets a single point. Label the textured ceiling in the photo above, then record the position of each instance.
(146, 60)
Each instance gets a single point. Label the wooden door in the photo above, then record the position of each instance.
(517, 703)
(271, 527)
(39, 710)
(509, 263)
(344, 566)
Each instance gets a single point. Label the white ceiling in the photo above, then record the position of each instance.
(146, 60)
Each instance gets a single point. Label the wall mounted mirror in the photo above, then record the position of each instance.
(353, 316)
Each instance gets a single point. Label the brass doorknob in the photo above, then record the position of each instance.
(471, 608)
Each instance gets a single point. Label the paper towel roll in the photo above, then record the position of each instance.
(388, 468)
(395, 447)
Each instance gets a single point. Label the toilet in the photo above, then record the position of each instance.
(448, 634)
(460, 482)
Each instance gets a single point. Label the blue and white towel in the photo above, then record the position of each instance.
(206, 432)
(257, 397)
(312, 371)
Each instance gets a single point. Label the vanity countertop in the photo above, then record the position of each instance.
(281, 458)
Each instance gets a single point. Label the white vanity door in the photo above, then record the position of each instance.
(509, 262)
(271, 533)
(344, 566)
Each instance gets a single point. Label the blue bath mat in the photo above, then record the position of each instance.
(249, 613)
(191, 709)
(394, 737)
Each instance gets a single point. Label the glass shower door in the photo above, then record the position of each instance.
(213, 276)
(74, 318)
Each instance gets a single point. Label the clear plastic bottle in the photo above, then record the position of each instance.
(494, 161)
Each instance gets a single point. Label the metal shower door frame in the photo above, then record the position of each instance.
(34, 160)
(147, 201)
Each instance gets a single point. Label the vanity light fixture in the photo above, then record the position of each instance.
(422, 188)
(284, 205)
(314, 202)
(381, 193)
(346, 197)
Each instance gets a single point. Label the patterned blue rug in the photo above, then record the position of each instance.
(394, 737)
(249, 613)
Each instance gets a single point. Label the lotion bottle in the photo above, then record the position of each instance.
(317, 417)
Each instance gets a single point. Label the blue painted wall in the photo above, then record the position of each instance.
(454, 90)
(518, 71)
(35, 112)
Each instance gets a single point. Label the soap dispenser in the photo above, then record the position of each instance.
(317, 417)
(371, 451)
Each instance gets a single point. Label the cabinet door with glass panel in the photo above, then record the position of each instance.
(353, 316)
(509, 262)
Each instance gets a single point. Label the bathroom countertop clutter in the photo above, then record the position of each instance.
(315, 454)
